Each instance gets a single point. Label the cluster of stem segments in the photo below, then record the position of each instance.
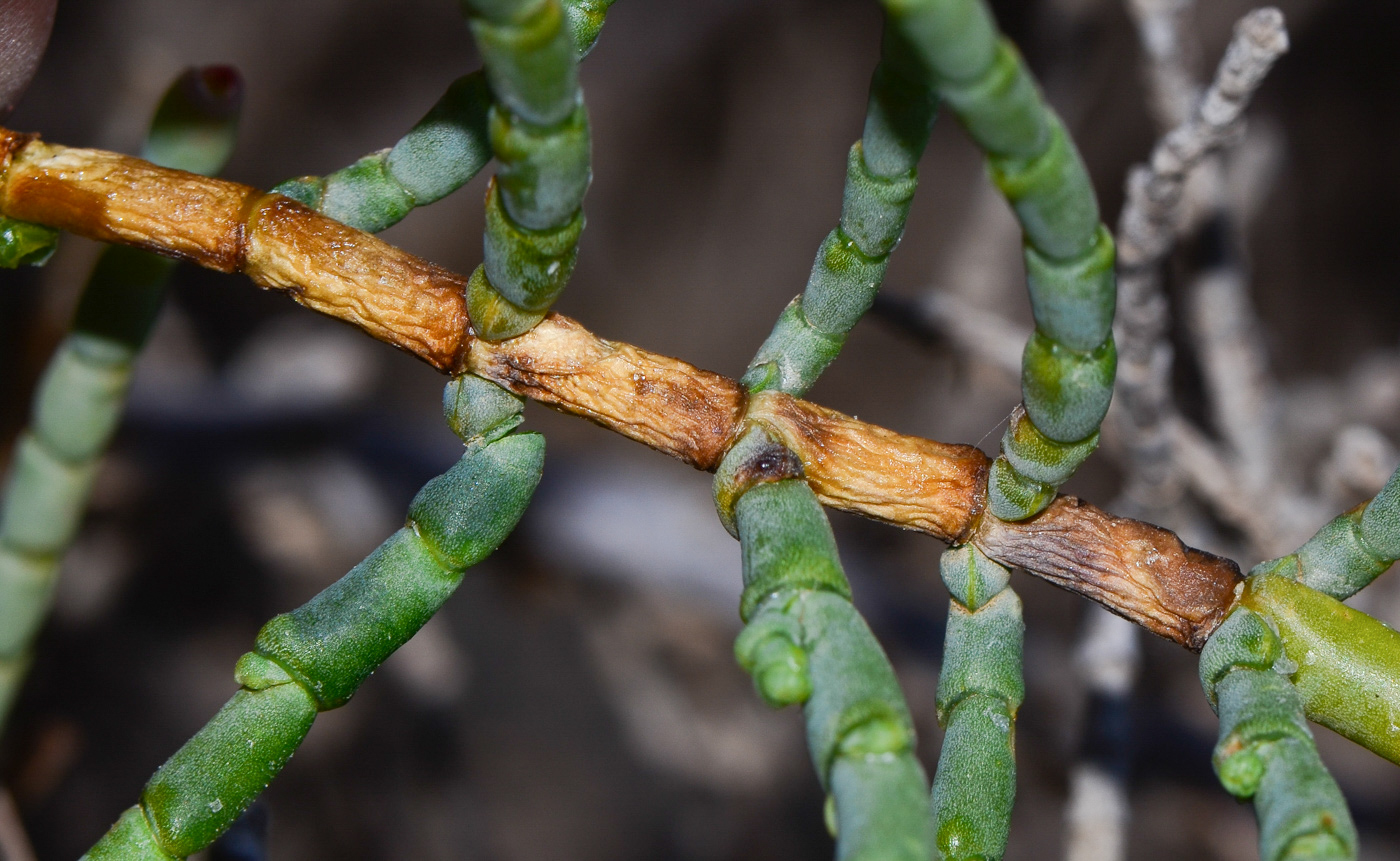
(1279, 647)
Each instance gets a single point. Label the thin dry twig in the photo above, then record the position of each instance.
(1147, 232)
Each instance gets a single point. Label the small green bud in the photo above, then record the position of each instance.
(1240, 772)
(875, 737)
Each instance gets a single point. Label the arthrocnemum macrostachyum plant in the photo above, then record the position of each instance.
(1275, 650)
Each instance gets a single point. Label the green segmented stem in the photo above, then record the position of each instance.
(1266, 751)
(805, 643)
(440, 154)
(538, 131)
(980, 689)
(1350, 551)
(881, 175)
(1068, 366)
(315, 657)
(80, 397)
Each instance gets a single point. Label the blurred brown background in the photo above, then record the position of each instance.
(578, 698)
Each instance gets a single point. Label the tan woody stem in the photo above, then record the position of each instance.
(1137, 570)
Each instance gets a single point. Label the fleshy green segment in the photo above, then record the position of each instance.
(1352, 550)
(980, 690)
(881, 177)
(1266, 751)
(80, 398)
(1068, 367)
(440, 154)
(1343, 662)
(538, 132)
(315, 657)
(805, 643)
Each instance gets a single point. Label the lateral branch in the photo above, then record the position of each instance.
(1135, 569)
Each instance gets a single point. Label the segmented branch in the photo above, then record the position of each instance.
(1068, 364)
(805, 644)
(538, 127)
(440, 154)
(315, 657)
(1266, 751)
(1138, 570)
(980, 689)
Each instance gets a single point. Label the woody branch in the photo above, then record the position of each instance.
(1135, 569)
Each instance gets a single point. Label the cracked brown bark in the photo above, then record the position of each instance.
(1135, 569)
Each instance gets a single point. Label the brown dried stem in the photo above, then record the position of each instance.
(1137, 570)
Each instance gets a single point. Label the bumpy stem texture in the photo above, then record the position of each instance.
(1266, 751)
(1350, 551)
(804, 643)
(315, 657)
(980, 689)
(440, 154)
(80, 397)
(1068, 364)
(538, 128)
(881, 175)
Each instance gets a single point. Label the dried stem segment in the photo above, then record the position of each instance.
(222, 225)
(663, 403)
(1140, 571)
(902, 480)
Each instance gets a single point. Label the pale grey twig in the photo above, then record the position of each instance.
(1146, 233)
(1230, 348)
(1170, 58)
